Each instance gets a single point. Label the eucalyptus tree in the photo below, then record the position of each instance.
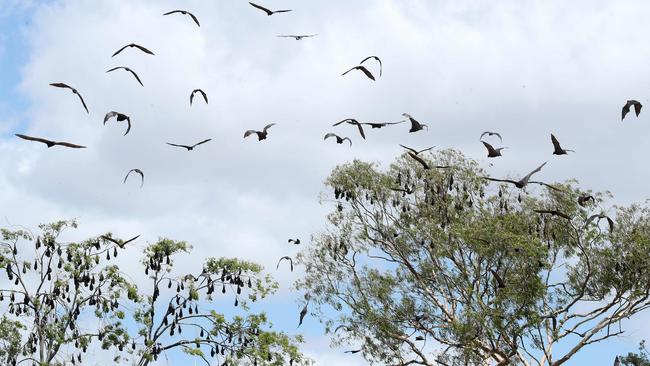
(444, 267)
(63, 299)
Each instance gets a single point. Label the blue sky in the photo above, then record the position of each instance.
(527, 68)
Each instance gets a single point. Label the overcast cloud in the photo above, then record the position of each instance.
(524, 68)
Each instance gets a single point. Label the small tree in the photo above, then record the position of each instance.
(54, 294)
(441, 266)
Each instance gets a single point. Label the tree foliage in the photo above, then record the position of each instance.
(56, 289)
(637, 359)
(441, 266)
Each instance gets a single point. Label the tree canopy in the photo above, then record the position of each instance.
(441, 266)
(63, 297)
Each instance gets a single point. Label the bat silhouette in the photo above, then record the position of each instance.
(185, 12)
(138, 171)
(119, 243)
(339, 140)
(415, 125)
(493, 152)
(374, 58)
(120, 117)
(296, 36)
(287, 258)
(129, 70)
(267, 11)
(205, 97)
(50, 143)
(557, 149)
(261, 135)
(132, 45)
(189, 148)
(626, 108)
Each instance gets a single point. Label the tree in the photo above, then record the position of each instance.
(441, 266)
(56, 290)
(637, 359)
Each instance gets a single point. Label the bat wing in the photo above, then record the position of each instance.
(62, 85)
(375, 58)
(67, 144)
(194, 19)
(267, 11)
(489, 148)
(128, 128)
(142, 48)
(109, 115)
(83, 103)
(185, 146)
(120, 50)
(249, 132)
(410, 149)
(350, 141)
(361, 130)
(527, 177)
(419, 160)
(205, 96)
(37, 139)
(268, 126)
(345, 120)
(556, 143)
(135, 75)
(202, 142)
(637, 108)
(330, 134)
(365, 71)
(130, 240)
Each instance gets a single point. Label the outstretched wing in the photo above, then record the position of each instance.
(330, 134)
(194, 18)
(109, 115)
(205, 96)
(363, 69)
(637, 108)
(287, 258)
(347, 138)
(556, 143)
(142, 48)
(268, 126)
(410, 149)
(381, 66)
(527, 177)
(67, 144)
(419, 160)
(62, 85)
(267, 11)
(360, 130)
(185, 146)
(202, 142)
(130, 240)
(135, 75)
(249, 132)
(173, 11)
(282, 11)
(128, 128)
(489, 148)
(120, 50)
(350, 120)
(37, 139)
(127, 176)
(626, 109)
(82, 102)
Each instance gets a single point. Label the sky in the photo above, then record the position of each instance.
(524, 68)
